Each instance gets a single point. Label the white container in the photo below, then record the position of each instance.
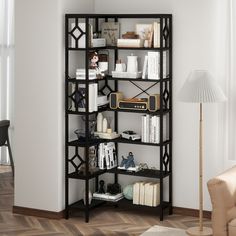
(99, 122)
(104, 125)
(132, 63)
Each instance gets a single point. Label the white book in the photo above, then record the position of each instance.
(142, 132)
(95, 96)
(156, 34)
(148, 194)
(156, 194)
(136, 192)
(145, 67)
(153, 65)
(157, 129)
(142, 193)
(147, 128)
(152, 130)
(165, 64)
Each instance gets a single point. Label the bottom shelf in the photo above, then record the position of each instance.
(122, 203)
(80, 204)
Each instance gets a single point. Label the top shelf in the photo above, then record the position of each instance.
(116, 16)
(118, 48)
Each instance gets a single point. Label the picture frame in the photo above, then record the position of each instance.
(145, 32)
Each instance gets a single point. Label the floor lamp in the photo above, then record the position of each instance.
(200, 88)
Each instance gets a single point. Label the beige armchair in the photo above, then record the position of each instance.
(222, 191)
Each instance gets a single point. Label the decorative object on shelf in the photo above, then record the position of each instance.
(92, 162)
(128, 192)
(143, 166)
(107, 158)
(90, 197)
(101, 186)
(130, 35)
(132, 63)
(145, 32)
(128, 75)
(94, 60)
(98, 42)
(110, 31)
(128, 161)
(104, 125)
(113, 188)
(99, 122)
(200, 88)
(154, 102)
(108, 135)
(134, 104)
(131, 135)
(120, 67)
(114, 99)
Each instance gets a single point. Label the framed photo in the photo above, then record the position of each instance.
(145, 32)
(110, 31)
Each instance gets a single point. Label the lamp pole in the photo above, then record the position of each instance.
(201, 171)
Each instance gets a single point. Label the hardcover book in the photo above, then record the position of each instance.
(111, 32)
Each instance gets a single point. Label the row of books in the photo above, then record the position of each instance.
(80, 74)
(151, 129)
(151, 66)
(107, 158)
(146, 193)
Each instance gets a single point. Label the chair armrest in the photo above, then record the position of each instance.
(222, 202)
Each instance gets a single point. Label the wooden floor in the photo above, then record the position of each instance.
(103, 221)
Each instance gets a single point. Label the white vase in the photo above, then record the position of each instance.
(132, 63)
(99, 122)
(104, 125)
(90, 196)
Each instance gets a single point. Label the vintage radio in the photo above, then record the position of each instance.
(134, 104)
(154, 102)
(114, 99)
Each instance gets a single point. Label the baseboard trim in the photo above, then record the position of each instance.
(38, 213)
(61, 214)
(190, 212)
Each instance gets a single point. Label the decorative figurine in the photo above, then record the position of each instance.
(128, 162)
(101, 187)
(94, 58)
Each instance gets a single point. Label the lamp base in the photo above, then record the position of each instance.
(195, 231)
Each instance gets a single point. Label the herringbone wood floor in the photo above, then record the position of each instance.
(103, 221)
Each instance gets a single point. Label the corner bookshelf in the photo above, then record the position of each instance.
(74, 161)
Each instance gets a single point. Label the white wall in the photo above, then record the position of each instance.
(39, 98)
(194, 47)
(39, 101)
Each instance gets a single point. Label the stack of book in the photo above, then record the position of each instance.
(146, 193)
(151, 129)
(81, 74)
(108, 196)
(130, 43)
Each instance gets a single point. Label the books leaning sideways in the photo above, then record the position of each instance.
(108, 196)
(81, 75)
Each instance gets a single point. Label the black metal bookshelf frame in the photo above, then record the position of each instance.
(165, 84)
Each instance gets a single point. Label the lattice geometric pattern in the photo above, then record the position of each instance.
(76, 33)
(166, 159)
(76, 161)
(166, 33)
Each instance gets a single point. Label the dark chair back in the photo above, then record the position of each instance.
(4, 125)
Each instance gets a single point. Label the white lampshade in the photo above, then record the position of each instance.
(200, 87)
